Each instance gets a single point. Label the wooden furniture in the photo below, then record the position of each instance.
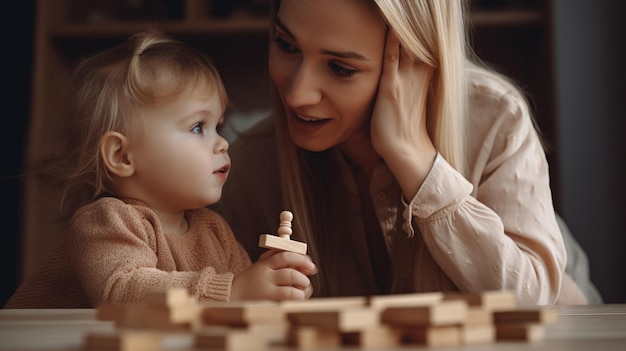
(594, 327)
(514, 40)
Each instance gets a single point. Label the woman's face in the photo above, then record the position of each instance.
(325, 60)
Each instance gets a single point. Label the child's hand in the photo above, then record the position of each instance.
(277, 276)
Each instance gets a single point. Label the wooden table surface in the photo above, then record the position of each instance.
(589, 328)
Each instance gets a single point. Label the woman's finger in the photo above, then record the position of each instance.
(391, 55)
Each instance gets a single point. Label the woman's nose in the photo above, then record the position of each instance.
(304, 88)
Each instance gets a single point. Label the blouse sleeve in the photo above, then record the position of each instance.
(114, 254)
(503, 234)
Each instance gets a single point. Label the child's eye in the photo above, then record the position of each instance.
(198, 129)
(340, 70)
(284, 46)
(220, 128)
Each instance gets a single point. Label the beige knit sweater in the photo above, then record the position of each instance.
(116, 251)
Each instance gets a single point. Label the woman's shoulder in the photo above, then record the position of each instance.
(496, 98)
(488, 85)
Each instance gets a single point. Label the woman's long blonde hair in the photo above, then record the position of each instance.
(105, 92)
(431, 31)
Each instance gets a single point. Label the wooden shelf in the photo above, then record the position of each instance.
(249, 25)
(212, 27)
(507, 18)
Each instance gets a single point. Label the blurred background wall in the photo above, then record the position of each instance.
(16, 51)
(589, 41)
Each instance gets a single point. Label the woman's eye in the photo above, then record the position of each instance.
(284, 46)
(197, 129)
(341, 71)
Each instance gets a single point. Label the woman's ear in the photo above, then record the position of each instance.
(114, 152)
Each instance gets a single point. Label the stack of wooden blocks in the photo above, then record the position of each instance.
(428, 319)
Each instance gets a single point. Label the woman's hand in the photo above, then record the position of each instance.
(276, 276)
(398, 126)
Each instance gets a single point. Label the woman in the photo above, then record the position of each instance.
(408, 167)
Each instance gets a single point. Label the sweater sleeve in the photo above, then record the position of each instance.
(118, 257)
(505, 236)
(238, 259)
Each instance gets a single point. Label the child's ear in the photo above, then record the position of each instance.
(114, 152)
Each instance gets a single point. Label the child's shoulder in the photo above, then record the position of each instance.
(112, 207)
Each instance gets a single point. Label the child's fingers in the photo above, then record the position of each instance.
(268, 253)
(302, 263)
(291, 277)
(283, 293)
(289, 284)
(308, 291)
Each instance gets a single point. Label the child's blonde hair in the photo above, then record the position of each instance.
(106, 91)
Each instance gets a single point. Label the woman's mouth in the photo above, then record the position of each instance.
(308, 124)
(309, 119)
(310, 132)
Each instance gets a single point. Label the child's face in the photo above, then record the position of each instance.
(181, 160)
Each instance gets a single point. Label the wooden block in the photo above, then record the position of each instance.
(122, 341)
(242, 313)
(303, 337)
(444, 313)
(545, 315)
(144, 316)
(477, 334)
(282, 241)
(478, 316)
(134, 316)
(229, 340)
(170, 297)
(378, 337)
(270, 241)
(493, 300)
(345, 320)
(175, 315)
(433, 336)
(418, 299)
(520, 331)
(163, 309)
(323, 303)
(273, 332)
(110, 312)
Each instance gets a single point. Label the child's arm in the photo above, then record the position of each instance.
(118, 253)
